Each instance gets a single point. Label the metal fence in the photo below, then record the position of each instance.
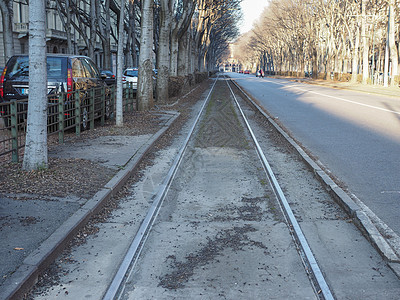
(73, 111)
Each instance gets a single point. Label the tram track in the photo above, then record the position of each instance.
(218, 226)
(310, 263)
(134, 250)
(318, 281)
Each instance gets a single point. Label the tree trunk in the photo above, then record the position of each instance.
(174, 54)
(105, 34)
(7, 19)
(179, 30)
(68, 30)
(163, 60)
(365, 59)
(191, 55)
(92, 42)
(132, 32)
(314, 63)
(394, 56)
(183, 61)
(145, 84)
(354, 62)
(120, 61)
(35, 156)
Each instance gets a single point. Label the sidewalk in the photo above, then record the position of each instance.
(35, 228)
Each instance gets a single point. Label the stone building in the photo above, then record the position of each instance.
(56, 35)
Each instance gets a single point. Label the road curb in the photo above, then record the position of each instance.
(33, 265)
(360, 217)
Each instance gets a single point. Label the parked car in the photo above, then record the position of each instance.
(65, 73)
(246, 72)
(130, 76)
(108, 77)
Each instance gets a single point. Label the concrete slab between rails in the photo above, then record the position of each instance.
(27, 273)
(373, 228)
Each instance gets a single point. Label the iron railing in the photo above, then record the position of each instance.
(73, 111)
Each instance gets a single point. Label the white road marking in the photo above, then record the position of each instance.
(390, 192)
(337, 98)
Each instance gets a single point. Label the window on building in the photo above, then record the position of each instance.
(20, 13)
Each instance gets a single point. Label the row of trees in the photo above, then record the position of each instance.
(324, 37)
(184, 36)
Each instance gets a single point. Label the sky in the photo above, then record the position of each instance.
(251, 11)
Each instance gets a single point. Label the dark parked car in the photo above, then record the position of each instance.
(65, 73)
(108, 76)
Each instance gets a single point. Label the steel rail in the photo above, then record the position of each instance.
(126, 267)
(294, 225)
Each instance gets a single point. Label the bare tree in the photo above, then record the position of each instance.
(132, 42)
(183, 13)
(66, 21)
(6, 8)
(36, 137)
(145, 78)
(394, 55)
(120, 65)
(163, 51)
(365, 44)
(104, 26)
(328, 35)
(93, 34)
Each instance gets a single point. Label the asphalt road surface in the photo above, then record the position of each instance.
(355, 135)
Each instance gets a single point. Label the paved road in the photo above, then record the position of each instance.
(355, 135)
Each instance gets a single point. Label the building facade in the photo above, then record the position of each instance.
(56, 36)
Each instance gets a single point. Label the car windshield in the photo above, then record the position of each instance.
(18, 68)
(132, 73)
(109, 73)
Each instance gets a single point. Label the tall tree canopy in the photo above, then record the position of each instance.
(325, 37)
